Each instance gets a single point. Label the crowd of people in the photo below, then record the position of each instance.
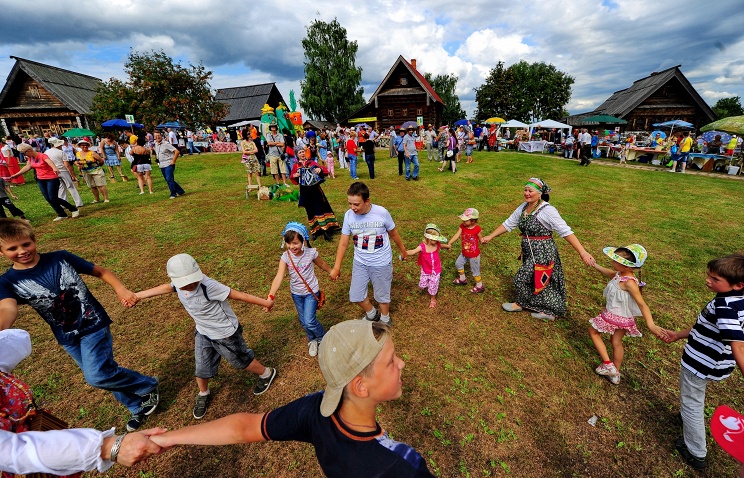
(357, 358)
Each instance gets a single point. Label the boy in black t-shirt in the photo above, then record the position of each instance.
(51, 284)
(361, 370)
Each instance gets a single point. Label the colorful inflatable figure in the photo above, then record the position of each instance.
(267, 118)
(296, 118)
(282, 119)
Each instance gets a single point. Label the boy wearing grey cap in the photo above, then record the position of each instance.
(362, 370)
(218, 333)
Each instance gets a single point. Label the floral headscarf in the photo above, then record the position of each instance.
(538, 185)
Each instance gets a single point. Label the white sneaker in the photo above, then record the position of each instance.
(671, 171)
(94, 201)
(607, 370)
(59, 218)
(75, 213)
(313, 348)
(106, 200)
(142, 192)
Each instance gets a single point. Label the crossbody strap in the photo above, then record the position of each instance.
(289, 256)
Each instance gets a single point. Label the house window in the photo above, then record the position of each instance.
(419, 111)
(403, 81)
(34, 90)
(404, 112)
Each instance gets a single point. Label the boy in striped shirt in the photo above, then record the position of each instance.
(715, 346)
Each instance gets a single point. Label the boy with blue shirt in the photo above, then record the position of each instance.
(715, 346)
(361, 370)
(51, 284)
(218, 333)
(370, 227)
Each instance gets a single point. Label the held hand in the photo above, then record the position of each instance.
(485, 240)
(588, 259)
(659, 333)
(334, 274)
(127, 298)
(136, 447)
(671, 336)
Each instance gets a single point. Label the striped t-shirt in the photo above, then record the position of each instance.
(708, 354)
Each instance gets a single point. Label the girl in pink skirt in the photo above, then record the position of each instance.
(624, 303)
(428, 259)
(329, 165)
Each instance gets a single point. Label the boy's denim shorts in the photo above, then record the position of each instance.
(381, 278)
(208, 353)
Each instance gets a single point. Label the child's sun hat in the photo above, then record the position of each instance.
(470, 213)
(638, 251)
(434, 237)
(183, 270)
(298, 228)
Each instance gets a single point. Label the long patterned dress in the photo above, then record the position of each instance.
(552, 299)
(320, 216)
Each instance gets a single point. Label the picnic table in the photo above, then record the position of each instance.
(632, 154)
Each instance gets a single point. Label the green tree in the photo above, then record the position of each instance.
(159, 90)
(493, 98)
(330, 89)
(446, 86)
(524, 91)
(726, 107)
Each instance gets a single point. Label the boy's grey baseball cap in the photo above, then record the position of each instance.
(346, 349)
(183, 270)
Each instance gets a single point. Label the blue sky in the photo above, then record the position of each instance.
(604, 45)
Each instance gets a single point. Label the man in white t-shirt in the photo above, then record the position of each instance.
(172, 137)
(370, 228)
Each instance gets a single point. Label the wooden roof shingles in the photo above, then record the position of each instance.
(245, 102)
(74, 90)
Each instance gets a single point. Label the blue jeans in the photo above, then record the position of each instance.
(370, 160)
(352, 159)
(95, 357)
(191, 148)
(49, 189)
(412, 159)
(306, 306)
(169, 175)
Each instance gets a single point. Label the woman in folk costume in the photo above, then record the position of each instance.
(320, 217)
(539, 282)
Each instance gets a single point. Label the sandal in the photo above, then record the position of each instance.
(478, 289)
(459, 281)
(541, 316)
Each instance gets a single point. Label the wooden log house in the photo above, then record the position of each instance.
(39, 98)
(404, 95)
(662, 96)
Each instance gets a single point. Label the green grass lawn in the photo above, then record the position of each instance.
(486, 393)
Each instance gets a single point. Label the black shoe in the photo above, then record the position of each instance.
(373, 319)
(416, 178)
(264, 383)
(151, 402)
(408, 179)
(135, 422)
(692, 460)
(202, 402)
(327, 236)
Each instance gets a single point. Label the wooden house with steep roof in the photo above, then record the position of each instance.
(39, 98)
(662, 96)
(245, 102)
(404, 95)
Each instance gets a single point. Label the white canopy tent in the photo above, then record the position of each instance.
(549, 124)
(256, 123)
(513, 124)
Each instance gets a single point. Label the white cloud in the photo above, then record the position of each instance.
(605, 46)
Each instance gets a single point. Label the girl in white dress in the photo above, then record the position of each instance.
(624, 303)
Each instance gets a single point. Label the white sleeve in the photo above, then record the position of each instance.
(550, 218)
(59, 452)
(513, 220)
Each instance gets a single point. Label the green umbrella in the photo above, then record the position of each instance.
(604, 119)
(78, 132)
(732, 124)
